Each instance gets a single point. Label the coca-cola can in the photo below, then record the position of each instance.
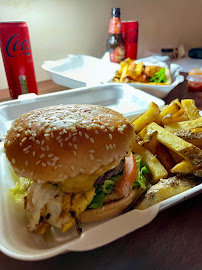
(17, 58)
(130, 36)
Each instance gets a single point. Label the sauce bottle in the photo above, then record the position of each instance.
(115, 42)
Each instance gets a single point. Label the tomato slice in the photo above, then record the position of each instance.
(124, 184)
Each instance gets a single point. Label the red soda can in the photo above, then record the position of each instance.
(130, 36)
(17, 58)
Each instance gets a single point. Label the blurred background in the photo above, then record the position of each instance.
(61, 27)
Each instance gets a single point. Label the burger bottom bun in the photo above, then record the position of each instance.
(112, 208)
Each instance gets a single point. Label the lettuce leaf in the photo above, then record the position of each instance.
(141, 170)
(159, 77)
(106, 188)
(19, 191)
(102, 190)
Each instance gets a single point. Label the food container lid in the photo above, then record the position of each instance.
(194, 78)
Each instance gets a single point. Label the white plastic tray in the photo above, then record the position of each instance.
(15, 240)
(120, 97)
(81, 70)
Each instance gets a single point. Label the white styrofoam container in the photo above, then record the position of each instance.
(120, 97)
(15, 240)
(82, 70)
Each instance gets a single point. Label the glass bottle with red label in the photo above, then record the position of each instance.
(115, 42)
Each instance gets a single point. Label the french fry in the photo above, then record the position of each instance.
(174, 119)
(184, 167)
(171, 141)
(178, 114)
(176, 101)
(156, 168)
(124, 72)
(198, 173)
(171, 109)
(152, 144)
(177, 158)
(165, 189)
(190, 109)
(185, 125)
(193, 136)
(147, 117)
(164, 157)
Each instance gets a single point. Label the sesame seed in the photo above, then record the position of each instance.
(110, 136)
(92, 140)
(61, 132)
(20, 129)
(49, 163)
(32, 173)
(91, 157)
(42, 155)
(47, 148)
(43, 149)
(61, 144)
(34, 153)
(72, 167)
(96, 131)
(65, 176)
(80, 133)
(42, 142)
(48, 130)
(46, 135)
(74, 152)
(114, 145)
(37, 163)
(37, 142)
(55, 158)
(43, 164)
(74, 138)
(92, 151)
(99, 160)
(61, 175)
(13, 161)
(58, 137)
(66, 139)
(24, 139)
(107, 146)
(70, 144)
(53, 164)
(18, 135)
(52, 135)
(111, 146)
(26, 163)
(27, 151)
(50, 155)
(59, 165)
(75, 146)
(87, 136)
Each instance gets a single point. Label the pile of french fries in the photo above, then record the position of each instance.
(169, 139)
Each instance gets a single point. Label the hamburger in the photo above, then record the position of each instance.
(73, 157)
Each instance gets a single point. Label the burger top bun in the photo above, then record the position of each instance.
(67, 143)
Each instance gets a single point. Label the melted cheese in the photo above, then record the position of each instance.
(85, 182)
(76, 204)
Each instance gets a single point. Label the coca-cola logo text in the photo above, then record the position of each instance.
(131, 36)
(16, 47)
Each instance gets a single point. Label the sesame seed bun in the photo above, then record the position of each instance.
(67, 143)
